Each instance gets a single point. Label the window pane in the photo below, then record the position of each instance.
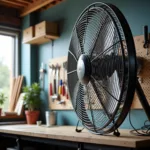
(6, 65)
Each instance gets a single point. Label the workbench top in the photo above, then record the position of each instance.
(68, 133)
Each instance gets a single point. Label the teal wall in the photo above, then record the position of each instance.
(29, 54)
(66, 13)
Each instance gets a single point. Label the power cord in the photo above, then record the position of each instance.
(79, 130)
(143, 131)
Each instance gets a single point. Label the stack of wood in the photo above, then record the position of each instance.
(16, 86)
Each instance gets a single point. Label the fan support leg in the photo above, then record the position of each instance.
(143, 99)
(117, 133)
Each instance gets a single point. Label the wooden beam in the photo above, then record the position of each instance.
(8, 20)
(8, 11)
(10, 5)
(56, 2)
(24, 1)
(35, 6)
(14, 3)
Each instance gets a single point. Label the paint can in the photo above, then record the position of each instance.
(50, 118)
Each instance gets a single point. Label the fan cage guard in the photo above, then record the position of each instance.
(103, 35)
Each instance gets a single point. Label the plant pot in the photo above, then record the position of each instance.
(0, 111)
(32, 116)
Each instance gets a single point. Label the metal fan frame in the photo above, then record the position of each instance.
(132, 68)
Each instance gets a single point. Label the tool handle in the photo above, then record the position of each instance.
(60, 87)
(51, 89)
(67, 96)
(60, 90)
(146, 37)
(54, 86)
(63, 90)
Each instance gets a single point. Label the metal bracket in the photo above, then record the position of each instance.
(80, 146)
(19, 146)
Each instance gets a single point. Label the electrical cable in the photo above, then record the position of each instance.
(143, 131)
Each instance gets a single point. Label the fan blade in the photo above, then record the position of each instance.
(72, 65)
(78, 99)
(75, 45)
(95, 112)
(99, 117)
(73, 71)
(108, 101)
(107, 50)
(72, 55)
(107, 38)
(95, 19)
(81, 30)
(100, 97)
(72, 81)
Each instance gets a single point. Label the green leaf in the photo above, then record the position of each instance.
(2, 98)
(32, 99)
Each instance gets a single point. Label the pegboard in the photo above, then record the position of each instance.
(54, 103)
(144, 76)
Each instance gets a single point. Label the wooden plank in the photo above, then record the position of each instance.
(12, 93)
(14, 21)
(68, 133)
(11, 117)
(13, 99)
(35, 6)
(11, 88)
(14, 3)
(41, 39)
(24, 1)
(56, 2)
(7, 11)
(18, 90)
(10, 5)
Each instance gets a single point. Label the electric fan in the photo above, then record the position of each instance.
(102, 69)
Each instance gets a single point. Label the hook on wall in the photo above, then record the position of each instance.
(146, 38)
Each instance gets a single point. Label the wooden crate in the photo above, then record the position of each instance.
(28, 34)
(46, 28)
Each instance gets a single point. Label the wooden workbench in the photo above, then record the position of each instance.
(67, 133)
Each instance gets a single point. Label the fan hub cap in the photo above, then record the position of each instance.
(84, 69)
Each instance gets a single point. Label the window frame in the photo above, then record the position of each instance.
(16, 34)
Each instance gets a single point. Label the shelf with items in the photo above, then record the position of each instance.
(40, 33)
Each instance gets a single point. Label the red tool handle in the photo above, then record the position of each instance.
(51, 89)
(63, 90)
(67, 96)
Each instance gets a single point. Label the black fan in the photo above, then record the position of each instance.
(102, 68)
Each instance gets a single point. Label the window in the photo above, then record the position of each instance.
(8, 61)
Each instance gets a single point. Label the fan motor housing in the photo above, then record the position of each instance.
(84, 69)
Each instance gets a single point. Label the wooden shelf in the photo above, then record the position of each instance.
(12, 117)
(41, 39)
(68, 133)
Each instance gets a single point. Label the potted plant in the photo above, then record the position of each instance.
(2, 100)
(32, 102)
